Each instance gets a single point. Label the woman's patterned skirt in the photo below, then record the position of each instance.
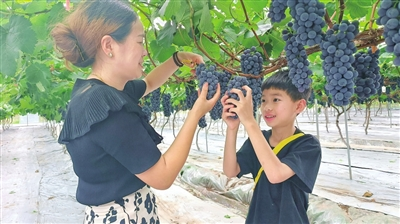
(138, 207)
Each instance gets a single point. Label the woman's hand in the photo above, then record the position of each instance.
(227, 115)
(202, 105)
(244, 107)
(190, 59)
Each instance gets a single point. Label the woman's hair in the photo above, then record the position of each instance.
(281, 81)
(78, 37)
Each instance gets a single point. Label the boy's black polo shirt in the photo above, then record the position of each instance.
(286, 202)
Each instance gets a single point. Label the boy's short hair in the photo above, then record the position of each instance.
(280, 80)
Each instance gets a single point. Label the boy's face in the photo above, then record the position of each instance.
(278, 109)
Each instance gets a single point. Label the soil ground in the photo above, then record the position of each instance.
(38, 184)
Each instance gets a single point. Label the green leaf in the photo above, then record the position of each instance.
(225, 7)
(39, 25)
(20, 34)
(277, 44)
(181, 38)
(38, 73)
(211, 48)
(219, 23)
(255, 5)
(162, 51)
(206, 25)
(167, 33)
(56, 14)
(40, 86)
(8, 55)
(169, 8)
(249, 42)
(199, 4)
(230, 34)
(183, 13)
(36, 6)
(357, 8)
(26, 103)
(15, 36)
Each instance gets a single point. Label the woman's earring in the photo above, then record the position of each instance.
(110, 55)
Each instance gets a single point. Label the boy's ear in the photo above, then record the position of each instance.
(301, 105)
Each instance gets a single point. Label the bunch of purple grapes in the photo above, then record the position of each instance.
(209, 75)
(337, 52)
(191, 94)
(237, 82)
(147, 112)
(166, 104)
(155, 100)
(277, 10)
(202, 122)
(298, 63)
(251, 61)
(389, 14)
(368, 79)
(308, 20)
(223, 79)
(311, 99)
(255, 86)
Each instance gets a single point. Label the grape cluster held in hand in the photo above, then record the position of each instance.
(209, 75)
(237, 83)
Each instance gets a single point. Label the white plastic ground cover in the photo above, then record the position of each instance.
(320, 210)
(38, 186)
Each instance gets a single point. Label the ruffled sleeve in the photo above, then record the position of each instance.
(91, 102)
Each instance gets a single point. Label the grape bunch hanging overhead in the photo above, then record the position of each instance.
(389, 14)
(296, 57)
(337, 52)
(369, 78)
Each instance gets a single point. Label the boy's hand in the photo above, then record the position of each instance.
(244, 107)
(227, 114)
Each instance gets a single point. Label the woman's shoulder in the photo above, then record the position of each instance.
(91, 102)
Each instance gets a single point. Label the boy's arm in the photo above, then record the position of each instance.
(230, 165)
(274, 169)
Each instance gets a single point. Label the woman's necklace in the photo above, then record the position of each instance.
(97, 76)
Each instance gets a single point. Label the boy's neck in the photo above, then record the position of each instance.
(278, 134)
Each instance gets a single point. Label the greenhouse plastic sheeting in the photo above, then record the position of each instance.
(240, 190)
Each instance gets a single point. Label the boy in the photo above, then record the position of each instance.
(283, 183)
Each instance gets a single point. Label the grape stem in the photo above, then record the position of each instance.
(342, 6)
(173, 124)
(328, 19)
(222, 48)
(254, 32)
(147, 16)
(337, 120)
(333, 15)
(371, 20)
(368, 114)
(154, 118)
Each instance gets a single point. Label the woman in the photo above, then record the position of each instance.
(113, 149)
